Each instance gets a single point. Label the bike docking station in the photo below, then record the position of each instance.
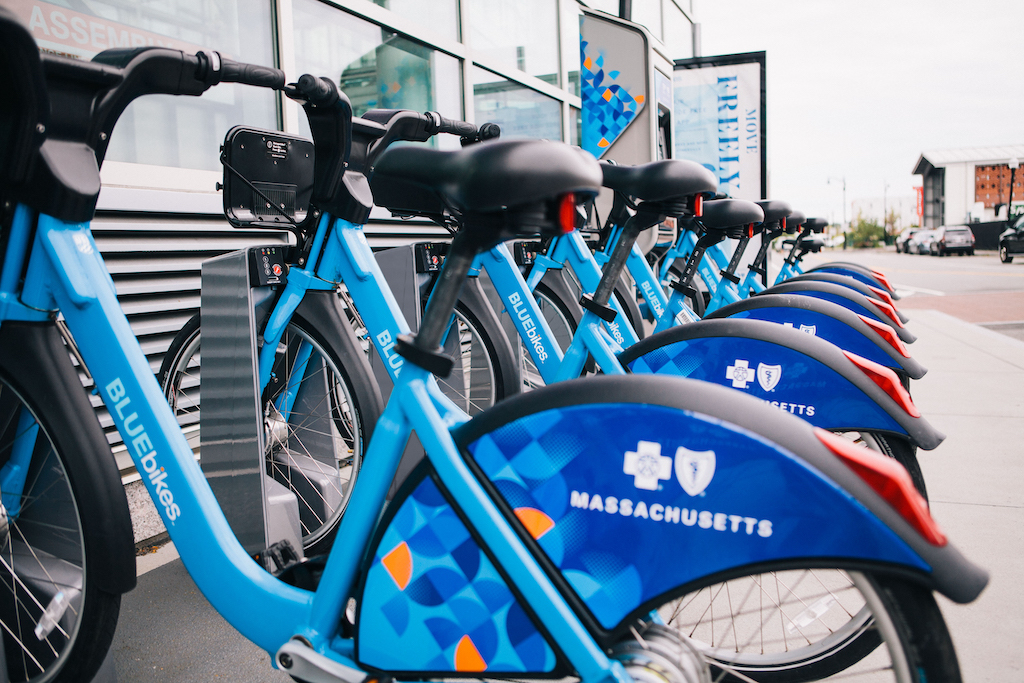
(621, 70)
(236, 296)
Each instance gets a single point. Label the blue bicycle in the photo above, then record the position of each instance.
(503, 554)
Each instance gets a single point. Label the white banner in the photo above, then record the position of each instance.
(718, 116)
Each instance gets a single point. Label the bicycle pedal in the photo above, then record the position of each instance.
(279, 557)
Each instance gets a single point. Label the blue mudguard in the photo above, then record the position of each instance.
(854, 270)
(844, 296)
(846, 280)
(658, 486)
(792, 371)
(432, 601)
(826, 320)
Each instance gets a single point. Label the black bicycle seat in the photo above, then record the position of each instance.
(794, 221)
(731, 216)
(488, 177)
(775, 209)
(657, 181)
(815, 224)
(25, 109)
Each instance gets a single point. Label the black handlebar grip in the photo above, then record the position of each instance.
(489, 131)
(317, 91)
(439, 124)
(251, 74)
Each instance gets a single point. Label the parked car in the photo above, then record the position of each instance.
(952, 239)
(1011, 240)
(903, 240)
(920, 242)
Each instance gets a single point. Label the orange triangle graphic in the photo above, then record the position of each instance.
(398, 564)
(467, 657)
(535, 521)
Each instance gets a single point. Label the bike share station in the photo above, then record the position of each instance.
(621, 69)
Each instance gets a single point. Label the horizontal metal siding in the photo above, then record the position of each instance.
(155, 262)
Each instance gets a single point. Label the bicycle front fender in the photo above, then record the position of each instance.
(704, 483)
(792, 371)
(828, 321)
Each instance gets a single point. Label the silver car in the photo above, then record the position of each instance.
(952, 239)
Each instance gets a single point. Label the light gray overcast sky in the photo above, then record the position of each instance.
(860, 89)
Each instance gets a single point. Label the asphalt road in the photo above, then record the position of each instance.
(976, 289)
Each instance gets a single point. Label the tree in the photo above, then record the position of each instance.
(865, 233)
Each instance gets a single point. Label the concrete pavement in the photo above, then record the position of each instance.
(974, 393)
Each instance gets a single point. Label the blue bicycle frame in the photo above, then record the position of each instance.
(66, 273)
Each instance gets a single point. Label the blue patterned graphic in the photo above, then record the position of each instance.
(637, 499)
(783, 378)
(825, 327)
(608, 107)
(433, 602)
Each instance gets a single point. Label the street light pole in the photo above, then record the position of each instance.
(829, 181)
(1014, 165)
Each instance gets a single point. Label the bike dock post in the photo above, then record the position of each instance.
(236, 293)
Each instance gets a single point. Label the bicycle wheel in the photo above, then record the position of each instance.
(809, 624)
(60, 577)
(315, 449)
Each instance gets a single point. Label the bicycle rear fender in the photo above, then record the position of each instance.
(856, 271)
(704, 483)
(792, 371)
(856, 302)
(846, 280)
(826, 320)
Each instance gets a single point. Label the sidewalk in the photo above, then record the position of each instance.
(973, 392)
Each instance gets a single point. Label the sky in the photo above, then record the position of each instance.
(858, 90)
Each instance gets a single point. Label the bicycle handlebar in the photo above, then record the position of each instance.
(213, 68)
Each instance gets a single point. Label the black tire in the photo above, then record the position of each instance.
(72, 532)
(795, 625)
(1004, 254)
(317, 456)
(484, 372)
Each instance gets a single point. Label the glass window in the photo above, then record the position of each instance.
(520, 111)
(520, 35)
(570, 30)
(375, 67)
(575, 126)
(164, 130)
(678, 32)
(439, 15)
(648, 13)
(609, 6)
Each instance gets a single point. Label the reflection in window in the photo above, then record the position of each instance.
(648, 13)
(609, 6)
(678, 32)
(164, 130)
(519, 35)
(376, 68)
(575, 126)
(520, 111)
(438, 15)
